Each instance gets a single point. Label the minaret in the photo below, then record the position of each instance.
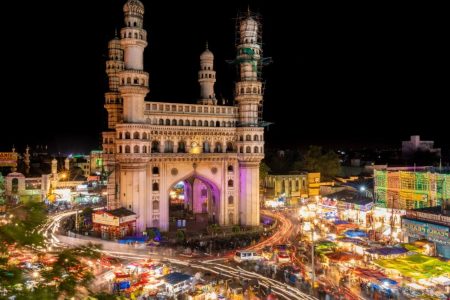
(249, 100)
(54, 167)
(207, 78)
(67, 164)
(133, 84)
(26, 160)
(113, 100)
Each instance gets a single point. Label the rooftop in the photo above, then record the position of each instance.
(121, 212)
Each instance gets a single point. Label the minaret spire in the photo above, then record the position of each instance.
(207, 77)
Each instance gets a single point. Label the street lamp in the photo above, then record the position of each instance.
(313, 271)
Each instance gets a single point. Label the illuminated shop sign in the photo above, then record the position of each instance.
(432, 232)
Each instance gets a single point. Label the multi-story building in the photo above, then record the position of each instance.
(400, 188)
(215, 150)
(416, 145)
(301, 185)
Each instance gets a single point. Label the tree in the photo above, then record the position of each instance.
(264, 170)
(314, 160)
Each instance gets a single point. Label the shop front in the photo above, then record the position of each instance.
(114, 224)
(439, 234)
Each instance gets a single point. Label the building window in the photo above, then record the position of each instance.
(218, 148)
(136, 149)
(120, 149)
(120, 135)
(168, 147)
(174, 122)
(181, 147)
(144, 149)
(211, 123)
(230, 200)
(241, 149)
(194, 123)
(155, 171)
(127, 149)
(180, 123)
(248, 137)
(136, 135)
(255, 137)
(248, 149)
(155, 147)
(167, 122)
(206, 147)
(200, 123)
(155, 187)
(230, 168)
(155, 205)
(127, 135)
(161, 122)
(255, 149)
(217, 123)
(144, 136)
(230, 183)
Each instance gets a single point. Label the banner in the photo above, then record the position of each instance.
(8, 159)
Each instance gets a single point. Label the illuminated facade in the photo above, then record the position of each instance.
(214, 149)
(402, 189)
(293, 185)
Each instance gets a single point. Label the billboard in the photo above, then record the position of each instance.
(8, 159)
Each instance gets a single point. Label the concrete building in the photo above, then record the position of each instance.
(409, 188)
(214, 150)
(416, 145)
(292, 185)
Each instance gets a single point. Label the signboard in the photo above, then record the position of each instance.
(8, 159)
(432, 232)
(437, 218)
(105, 219)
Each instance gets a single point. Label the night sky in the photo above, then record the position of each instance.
(342, 76)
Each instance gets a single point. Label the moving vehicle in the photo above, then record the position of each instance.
(241, 256)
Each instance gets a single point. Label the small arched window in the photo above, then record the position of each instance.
(155, 146)
(218, 148)
(200, 123)
(161, 122)
(129, 34)
(241, 138)
(120, 135)
(127, 149)
(155, 170)
(136, 135)
(230, 168)
(229, 147)
(194, 123)
(155, 186)
(120, 149)
(228, 124)
(167, 122)
(135, 35)
(255, 137)
(248, 90)
(136, 149)
(181, 147)
(248, 137)
(144, 136)
(128, 80)
(255, 90)
(255, 149)
(242, 90)
(188, 123)
(248, 149)
(155, 205)
(241, 149)
(230, 183)
(134, 24)
(206, 147)
(127, 135)
(174, 122)
(180, 123)
(144, 149)
(211, 123)
(230, 200)
(217, 123)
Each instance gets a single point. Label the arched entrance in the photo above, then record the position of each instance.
(193, 204)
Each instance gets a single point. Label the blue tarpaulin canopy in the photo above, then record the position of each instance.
(132, 239)
(355, 233)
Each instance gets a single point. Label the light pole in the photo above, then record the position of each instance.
(313, 271)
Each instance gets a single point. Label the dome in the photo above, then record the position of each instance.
(133, 6)
(207, 55)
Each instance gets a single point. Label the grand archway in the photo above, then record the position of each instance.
(193, 204)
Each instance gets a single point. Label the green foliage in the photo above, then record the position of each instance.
(315, 161)
(264, 170)
(22, 229)
(2, 189)
(181, 236)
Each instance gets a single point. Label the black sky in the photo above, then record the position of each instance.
(342, 75)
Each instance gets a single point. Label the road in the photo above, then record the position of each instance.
(218, 266)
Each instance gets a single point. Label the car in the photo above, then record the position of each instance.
(283, 257)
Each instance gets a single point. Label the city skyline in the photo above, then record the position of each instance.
(353, 72)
